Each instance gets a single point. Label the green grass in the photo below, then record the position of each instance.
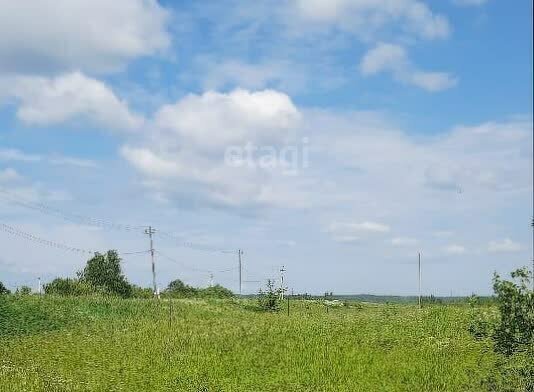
(97, 344)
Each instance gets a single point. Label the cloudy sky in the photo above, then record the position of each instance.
(338, 138)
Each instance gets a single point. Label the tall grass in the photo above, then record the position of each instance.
(99, 344)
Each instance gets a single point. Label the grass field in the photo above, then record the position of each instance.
(97, 344)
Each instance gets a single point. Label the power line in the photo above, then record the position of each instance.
(30, 237)
(33, 238)
(186, 244)
(71, 217)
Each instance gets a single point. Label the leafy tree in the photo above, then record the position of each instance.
(512, 332)
(104, 274)
(24, 290)
(177, 288)
(3, 289)
(67, 287)
(515, 331)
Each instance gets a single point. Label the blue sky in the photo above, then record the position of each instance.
(415, 118)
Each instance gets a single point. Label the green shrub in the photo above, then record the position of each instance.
(3, 289)
(141, 292)
(515, 331)
(178, 289)
(216, 291)
(67, 287)
(23, 290)
(511, 331)
(270, 299)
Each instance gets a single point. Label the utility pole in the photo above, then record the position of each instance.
(150, 231)
(239, 253)
(419, 264)
(211, 279)
(39, 285)
(282, 270)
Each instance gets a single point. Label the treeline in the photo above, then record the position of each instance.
(102, 275)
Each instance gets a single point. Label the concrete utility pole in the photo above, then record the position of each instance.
(239, 253)
(150, 231)
(282, 270)
(39, 285)
(211, 279)
(419, 265)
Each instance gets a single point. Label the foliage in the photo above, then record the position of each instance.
(515, 331)
(511, 331)
(178, 289)
(216, 291)
(104, 274)
(269, 300)
(3, 289)
(142, 292)
(67, 287)
(23, 290)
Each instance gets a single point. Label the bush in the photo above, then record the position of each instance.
(216, 291)
(3, 289)
(511, 331)
(270, 299)
(67, 287)
(178, 289)
(141, 292)
(24, 290)
(515, 331)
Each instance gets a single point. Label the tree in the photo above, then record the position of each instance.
(270, 299)
(104, 274)
(3, 289)
(515, 330)
(177, 288)
(24, 290)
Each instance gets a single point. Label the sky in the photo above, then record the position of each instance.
(336, 138)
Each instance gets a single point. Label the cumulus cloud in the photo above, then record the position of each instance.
(393, 59)
(503, 246)
(216, 119)
(96, 36)
(72, 96)
(208, 124)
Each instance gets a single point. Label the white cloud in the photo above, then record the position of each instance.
(466, 3)
(355, 231)
(393, 59)
(370, 17)
(11, 154)
(95, 36)
(216, 119)
(454, 249)
(73, 96)
(208, 124)
(9, 175)
(502, 246)
(404, 241)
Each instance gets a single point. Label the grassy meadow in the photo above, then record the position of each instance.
(105, 344)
